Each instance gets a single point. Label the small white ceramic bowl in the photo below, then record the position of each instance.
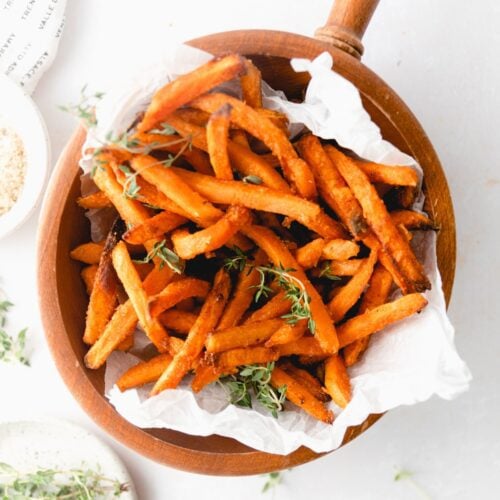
(19, 111)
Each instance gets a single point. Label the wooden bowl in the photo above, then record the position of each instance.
(63, 226)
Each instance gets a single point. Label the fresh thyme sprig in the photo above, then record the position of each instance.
(52, 484)
(167, 256)
(85, 108)
(238, 261)
(255, 380)
(406, 475)
(12, 349)
(295, 292)
(326, 272)
(274, 479)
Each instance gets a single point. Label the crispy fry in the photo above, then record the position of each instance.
(385, 174)
(155, 227)
(308, 256)
(144, 372)
(179, 321)
(337, 381)
(276, 306)
(280, 256)
(376, 295)
(94, 200)
(411, 220)
(188, 246)
(194, 116)
(206, 374)
(276, 117)
(381, 223)
(132, 283)
(143, 269)
(251, 84)
(305, 346)
(332, 187)
(187, 87)
(245, 356)
(88, 276)
(169, 183)
(89, 253)
(242, 336)
(298, 394)
(217, 139)
(205, 323)
(339, 249)
(294, 168)
(287, 333)
(124, 320)
(239, 137)
(406, 196)
(378, 318)
(176, 292)
(243, 294)
(349, 294)
(103, 298)
(311, 383)
(338, 268)
(127, 343)
(263, 198)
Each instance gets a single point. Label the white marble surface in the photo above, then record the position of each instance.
(441, 58)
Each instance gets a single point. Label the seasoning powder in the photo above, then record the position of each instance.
(12, 167)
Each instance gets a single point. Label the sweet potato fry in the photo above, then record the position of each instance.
(245, 356)
(242, 336)
(339, 268)
(332, 187)
(311, 383)
(381, 223)
(275, 307)
(300, 396)
(376, 295)
(294, 168)
(251, 83)
(154, 227)
(305, 346)
(239, 137)
(217, 139)
(127, 343)
(124, 320)
(205, 323)
(143, 269)
(378, 318)
(144, 372)
(103, 298)
(278, 119)
(88, 253)
(411, 220)
(287, 333)
(263, 198)
(243, 294)
(169, 183)
(339, 249)
(187, 87)
(308, 256)
(132, 283)
(188, 246)
(176, 292)
(179, 321)
(88, 276)
(337, 381)
(351, 292)
(385, 174)
(280, 256)
(206, 374)
(194, 116)
(94, 200)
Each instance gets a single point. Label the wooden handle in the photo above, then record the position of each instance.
(346, 25)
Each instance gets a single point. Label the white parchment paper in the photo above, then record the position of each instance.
(405, 364)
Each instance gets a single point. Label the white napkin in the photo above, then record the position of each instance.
(405, 364)
(29, 36)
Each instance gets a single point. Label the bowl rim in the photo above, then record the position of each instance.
(72, 369)
(20, 111)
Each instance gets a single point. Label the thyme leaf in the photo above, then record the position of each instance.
(85, 108)
(274, 479)
(166, 256)
(12, 349)
(238, 261)
(327, 273)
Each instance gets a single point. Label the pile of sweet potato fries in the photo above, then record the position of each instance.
(234, 246)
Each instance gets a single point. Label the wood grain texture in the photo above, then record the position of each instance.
(63, 225)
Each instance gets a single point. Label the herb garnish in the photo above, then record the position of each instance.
(237, 261)
(252, 179)
(85, 109)
(326, 272)
(11, 349)
(48, 484)
(167, 256)
(274, 479)
(255, 380)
